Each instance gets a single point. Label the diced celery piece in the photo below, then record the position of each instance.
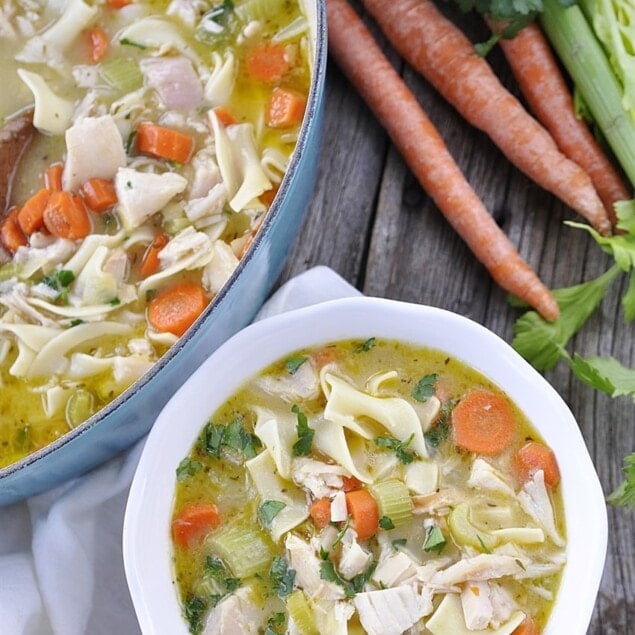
(301, 613)
(465, 533)
(8, 271)
(79, 407)
(393, 500)
(123, 74)
(244, 548)
(259, 9)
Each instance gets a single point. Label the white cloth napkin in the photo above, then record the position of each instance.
(61, 564)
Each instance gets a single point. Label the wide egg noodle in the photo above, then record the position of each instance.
(271, 487)
(88, 247)
(220, 85)
(346, 404)
(277, 434)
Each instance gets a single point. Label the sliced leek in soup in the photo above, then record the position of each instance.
(368, 487)
(143, 143)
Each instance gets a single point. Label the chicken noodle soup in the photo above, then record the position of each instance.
(368, 487)
(150, 137)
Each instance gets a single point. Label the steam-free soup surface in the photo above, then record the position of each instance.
(160, 134)
(368, 487)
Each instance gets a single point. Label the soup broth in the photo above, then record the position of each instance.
(368, 487)
(160, 133)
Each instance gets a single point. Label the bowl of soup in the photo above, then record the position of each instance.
(156, 160)
(365, 465)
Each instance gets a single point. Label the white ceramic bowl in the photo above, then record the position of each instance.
(147, 547)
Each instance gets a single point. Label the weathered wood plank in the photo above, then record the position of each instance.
(371, 222)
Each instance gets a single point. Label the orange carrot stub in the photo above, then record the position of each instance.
(320, 512)
(98, 44)
(535, 456)
(285, 108)
(364, 511)
(65, 216)
(543, 85)
(99, 194)
(53, 177)
(422, 147)
(225, 116)
(483, 423)
(446, 58)
(31, 214)
(164, 143)
(193, 523)
(175, 309)
(350, 483)
(11, 236)
(150, 262)
(118, 4)
(528, 627)
(267, 62)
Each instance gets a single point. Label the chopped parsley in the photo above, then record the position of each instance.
(276, 620)
(60, 281)
(302, 447)
(434, 540)
(193, 610)
(187, 467)
(398, 543)
(440, 431)
(352, 587)
(216, 570)
(233, 437)
(268, 510)
(124, 41)
(386, 523)
(293, 363)
(281, 576)
(400, 448)
(364, 347)
(484, 547)
(425, 387)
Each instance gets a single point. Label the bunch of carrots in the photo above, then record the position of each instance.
(559, 154)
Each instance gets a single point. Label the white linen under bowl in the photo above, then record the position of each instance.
(147, 546)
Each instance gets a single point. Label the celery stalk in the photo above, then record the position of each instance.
(393, 500)
(587, 64)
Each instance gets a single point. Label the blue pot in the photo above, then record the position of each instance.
(131, 415)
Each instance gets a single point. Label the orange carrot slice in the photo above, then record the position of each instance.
(65, 216)
(31, 215)
(99, 194)
(193, 523)
(528, 627)
(150, 262)
(320, 512)
(164, 143)
(98, 44)
(267, 62)
(11, 235)
(534, 456)
(364, 512)
(285, 108)
(175, 309)
(53, 177)
(483, 422)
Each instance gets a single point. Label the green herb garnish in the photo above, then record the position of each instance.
(124, 41)
(302, 447)
(400, 448)
(268, 510)
(293, 363)
(233, 437)
(386, 523)
(60, 281)
(434, 540)
(425, 387)
(364, 347)
(282, 577)
(187, 467)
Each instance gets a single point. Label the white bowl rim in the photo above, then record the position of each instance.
(149, 574)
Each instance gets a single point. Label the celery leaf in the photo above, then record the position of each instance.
(624, 495)
(620, 246)
(542, 343)
(606, 374)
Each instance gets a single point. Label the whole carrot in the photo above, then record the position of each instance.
(543, 85)
(446, 58)
(423, 149)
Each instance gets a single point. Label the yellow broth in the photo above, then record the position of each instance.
(221, 478)
(34, 404)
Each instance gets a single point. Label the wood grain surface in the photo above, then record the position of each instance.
(371, 222)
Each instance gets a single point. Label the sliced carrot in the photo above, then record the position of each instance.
(285, 108)
(323, 357)
(53, 177)
(31, 215)
(11, 236)
(225, 116)
(267, 62)
(164, 143)
(65, 216)
(175, 309)
(118, 4)
(438, 50)
(534, 456)
(350, 483)
(268, 195)
(528, 627)
(150, 262)
(364, 511)
(99, 194)
(320, 512)
(98, 44)
(193, 523)
(425, 152)
(542, 83)
(483, 422)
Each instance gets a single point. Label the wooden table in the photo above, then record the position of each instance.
(371, 222)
